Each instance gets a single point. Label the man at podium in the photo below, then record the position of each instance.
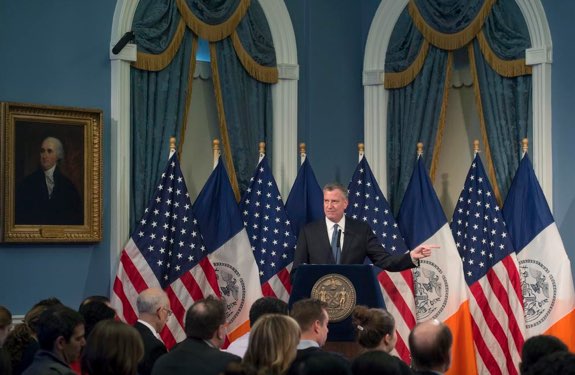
(338, 239)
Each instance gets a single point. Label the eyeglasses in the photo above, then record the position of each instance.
(168, 311)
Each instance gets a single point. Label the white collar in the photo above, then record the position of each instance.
(330, 223)
(151, 329)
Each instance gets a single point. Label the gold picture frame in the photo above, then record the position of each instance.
(52, 173)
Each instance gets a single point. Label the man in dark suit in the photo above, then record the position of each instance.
(46, 196)
(199, 353)
(338, 239)
(430, 346)
(312, 318)
(153, 313)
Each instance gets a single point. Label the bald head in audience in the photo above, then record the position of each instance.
(154, 308)
(430, 345)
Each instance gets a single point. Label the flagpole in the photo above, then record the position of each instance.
(302, 153)
(360, 151)
(476, 147)
(216, 152)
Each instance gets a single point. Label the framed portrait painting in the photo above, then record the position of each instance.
(52, 172)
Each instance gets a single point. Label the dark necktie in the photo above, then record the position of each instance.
(334, 245)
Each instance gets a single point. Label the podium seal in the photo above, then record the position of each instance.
(338, 293)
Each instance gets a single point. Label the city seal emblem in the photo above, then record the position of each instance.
(232, 287)
(539, 291)
(338, 293)
(431, 290)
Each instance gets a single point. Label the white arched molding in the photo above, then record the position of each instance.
(284, 97)
(375, 95)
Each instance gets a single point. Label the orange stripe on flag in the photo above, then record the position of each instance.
(240, 331)
(462, 352)
(563, 329)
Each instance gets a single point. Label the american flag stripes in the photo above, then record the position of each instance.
(367, 203)
(269, 231)
(491, 271)
(166, 250)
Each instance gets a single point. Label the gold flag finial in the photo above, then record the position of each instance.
(419, 148)
(172, 144)
(476, 146)
(525, 145)
(262, 147)
(360, 147)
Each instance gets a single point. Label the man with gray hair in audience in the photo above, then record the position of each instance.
(200, 353)
(430, 346)
(153, 313)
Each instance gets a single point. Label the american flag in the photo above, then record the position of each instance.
(491, 271)
(270, 232)
(367, 203)
(167, 251)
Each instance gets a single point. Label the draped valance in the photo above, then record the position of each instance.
(159, 28)
(417, 74)
(453, 25)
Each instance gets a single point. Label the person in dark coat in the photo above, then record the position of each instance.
(354, 238)
(199, 353)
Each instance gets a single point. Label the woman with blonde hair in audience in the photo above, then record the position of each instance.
(376, 334)
(271, 349)
(112, 348)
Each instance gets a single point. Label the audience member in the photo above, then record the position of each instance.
(5, 325)
(22, 343)
(375, 330)
(312, 318)
(262, 306)
(561, 362)
(199, 353)
(537, 347)
(113, 348)
(272, 347)
(102, 299)
(430, 345)
(376, 362)
(153, 310)
(61, 337)
(321, 363)
(93, 311)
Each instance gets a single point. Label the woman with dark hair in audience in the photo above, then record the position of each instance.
(21, 343)
(5, 325)
(271, 349)
(93, 311)
(113, 348)
(537, 347)
(376, 334)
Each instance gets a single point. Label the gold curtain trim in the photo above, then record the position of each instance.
(155, 63)
(223, 126)
(505, 68)
(442, 115)
(478, 103)
(213, 33)
(191, 71)
(450, 41)
(267, 74)
(401, 79)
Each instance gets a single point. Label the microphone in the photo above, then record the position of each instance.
(127, 38)
(339, 238)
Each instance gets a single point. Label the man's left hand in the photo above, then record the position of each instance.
(422, 251)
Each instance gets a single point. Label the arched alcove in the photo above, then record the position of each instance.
(284, 96)
(539, 56)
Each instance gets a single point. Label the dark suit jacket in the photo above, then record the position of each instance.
(313, 247)
(153, 349)
(316, 360)
(34, 206)
(194, 356)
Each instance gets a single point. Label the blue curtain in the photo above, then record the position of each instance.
(416, 69)
(506, 99)
(165, 34)
(157, 100)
